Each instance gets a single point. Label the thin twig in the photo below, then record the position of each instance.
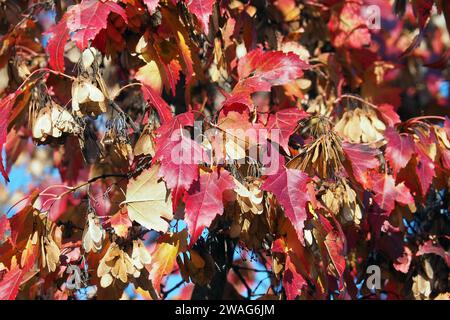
(116, 107)
(44, 70)
(166, 293)
(125, 87)
(92, 180)
(251, 269)
(350, 96)
(241, 277)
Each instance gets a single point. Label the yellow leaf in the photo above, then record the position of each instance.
(145, 144)
(28, 252)
(149, 201)
(150, 76)
(163, 260)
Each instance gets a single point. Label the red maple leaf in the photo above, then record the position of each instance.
(171, 73)
(362, 158)
(202, 9)
(335, 248)
(179, 158)
(348, 27)
(260, 70)
(9, 286)
(388, 114)
(293, 282)
(399, 150)
(447, 126)
(425, 170)
(120, 222)
(6, 105)
(204, 200)
(290, 188)
(168, 128)
(163, 109)
(285, 121)
(387, 193)
(82, 23)
(59, 34)
(88, 18)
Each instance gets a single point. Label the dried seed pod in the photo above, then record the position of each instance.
(46, 240)
(250, 196)
(87, 99)
(442, 135)
(117, 264)
(361, 125)
(93, 234)
(49, 253)
(249, 214)
(42, 126)
(341, 199)
(52, 122)
(323, 156)
(88, 57)
(140, 255)
(421, 287)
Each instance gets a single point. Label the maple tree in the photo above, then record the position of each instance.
(180, 149)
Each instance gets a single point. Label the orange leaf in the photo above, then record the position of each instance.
(163, 260)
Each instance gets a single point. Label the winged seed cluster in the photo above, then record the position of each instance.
(209, 149)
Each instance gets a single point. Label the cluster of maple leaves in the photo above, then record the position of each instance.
(115, 91)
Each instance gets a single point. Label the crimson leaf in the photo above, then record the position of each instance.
(204, 200)
(290, 188)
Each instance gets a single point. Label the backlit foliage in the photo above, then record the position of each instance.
(101, 102)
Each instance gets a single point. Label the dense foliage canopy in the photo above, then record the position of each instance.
(202, 149)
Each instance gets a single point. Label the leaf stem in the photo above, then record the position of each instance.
(440, 118)
(350, 96)
(44, 70)
(72, 189)
(126, 87)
